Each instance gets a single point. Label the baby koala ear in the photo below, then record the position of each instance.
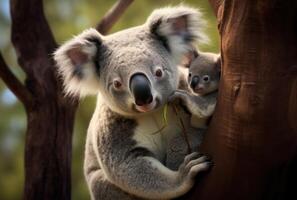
(77, 63)
(189, 57)
(177, 28)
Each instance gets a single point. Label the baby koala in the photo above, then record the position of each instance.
(200, 75)
(204, 71)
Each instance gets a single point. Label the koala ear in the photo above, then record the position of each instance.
(177, 28)
(195, 54)
(189, 57)
(77, 63)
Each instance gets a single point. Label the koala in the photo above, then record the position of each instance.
(200, 77)
(204, 71)
(133, 72)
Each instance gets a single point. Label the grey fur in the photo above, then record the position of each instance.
(178, 148)
(206, 64)
(126, 148)
(201, 104)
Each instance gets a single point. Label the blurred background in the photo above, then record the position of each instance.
(66, 18)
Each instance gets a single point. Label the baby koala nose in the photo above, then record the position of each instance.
(194, 82)
(141, 89)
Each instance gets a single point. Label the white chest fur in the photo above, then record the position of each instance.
(153, 133)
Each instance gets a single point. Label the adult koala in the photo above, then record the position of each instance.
(134, 71)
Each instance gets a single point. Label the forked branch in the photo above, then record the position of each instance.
(12, 82)
(31, 36)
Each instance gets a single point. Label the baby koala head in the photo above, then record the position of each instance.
(204, 72)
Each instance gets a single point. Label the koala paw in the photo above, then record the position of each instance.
(178, 96)
(192, 165)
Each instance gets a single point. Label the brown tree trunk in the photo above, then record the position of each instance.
(253, 134)
(49, 146)
(50, 115)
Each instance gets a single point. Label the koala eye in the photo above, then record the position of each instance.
(159, 73)
(190, 74)
(117, 84)
(206, 78)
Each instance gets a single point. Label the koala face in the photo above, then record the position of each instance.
(204, 73)
(134, 70)
(138, 75)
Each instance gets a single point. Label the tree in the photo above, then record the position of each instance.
(50, 115)
(253, 134)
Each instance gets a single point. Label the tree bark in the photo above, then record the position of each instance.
(253, 133)
(50, 114)
(11, 81)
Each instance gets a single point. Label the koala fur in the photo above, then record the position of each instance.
(203, 79)
(205, 65)
(134, 72)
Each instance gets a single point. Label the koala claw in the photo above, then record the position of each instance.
(204, 166)
(193, 164)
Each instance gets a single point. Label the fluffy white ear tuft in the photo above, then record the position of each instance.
(77, 63)
(178, 27)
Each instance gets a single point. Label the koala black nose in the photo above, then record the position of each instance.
(194, 82)
(141, 89)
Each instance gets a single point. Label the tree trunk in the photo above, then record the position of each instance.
(50, 115)
(48, 147)
(253, 134)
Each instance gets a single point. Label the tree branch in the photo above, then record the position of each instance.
(112, 16)
(18, 89)
(32, 37)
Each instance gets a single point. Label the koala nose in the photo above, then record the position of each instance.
(141, 89)
(194, 82)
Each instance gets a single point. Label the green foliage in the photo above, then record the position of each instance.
(66, 18)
